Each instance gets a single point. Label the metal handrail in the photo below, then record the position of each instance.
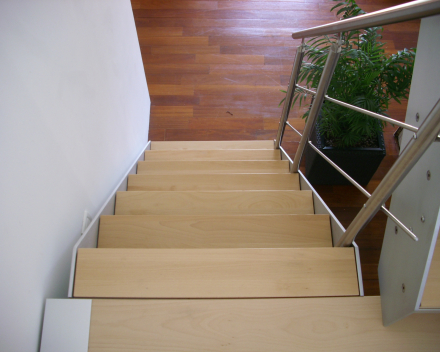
(423, 136)
(363, 111)
(405, 12)
(411, 154)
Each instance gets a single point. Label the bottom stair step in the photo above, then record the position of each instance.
(215, 273)
(337, 324)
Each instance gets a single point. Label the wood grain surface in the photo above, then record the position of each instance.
(337, 324)
(261, 29)
(212, 167)
(244, 154)
(213, 202)
(202, 145)
(214, 231)
(431, 295)
(213, 182)
(215, 273)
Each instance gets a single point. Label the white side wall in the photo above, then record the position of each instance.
(74, 113)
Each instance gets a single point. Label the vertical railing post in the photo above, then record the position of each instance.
(324, 82)
(289, 95)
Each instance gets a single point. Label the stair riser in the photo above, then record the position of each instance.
(214, 203)
(203, 145)
(226, 182)
(250, 231)
(201, 155)
(212, 167)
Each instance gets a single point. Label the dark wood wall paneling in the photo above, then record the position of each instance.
(215, 69)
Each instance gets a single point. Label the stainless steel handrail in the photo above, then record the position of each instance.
(365, 193)
(423, 136)
(405, 12)
(294, 129)
(411, 154)
(363, 111)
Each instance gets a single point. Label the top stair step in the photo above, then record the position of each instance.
(199, 145)
(237, 154)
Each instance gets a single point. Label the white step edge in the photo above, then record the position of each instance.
(66, 325)
(89, 238)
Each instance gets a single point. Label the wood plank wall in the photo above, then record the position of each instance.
(215, 69)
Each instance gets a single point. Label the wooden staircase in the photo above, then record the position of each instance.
(209, 252)
(184, 232)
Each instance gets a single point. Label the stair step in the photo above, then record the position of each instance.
(213, 202)
(343, 324)
(215, 231)
(198, 145)
(238, 154)
(207, 182)
(215, 273)
(213, 167)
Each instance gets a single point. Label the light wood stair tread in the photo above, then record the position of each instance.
(213, 202)
(216, 182)
(215, 273)
(336, 324)
(214, 231)
(431, 294)
(179, 167)
(198, 145)
(237, 154)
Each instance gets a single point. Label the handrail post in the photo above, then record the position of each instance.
(413, 151)
(324, 82)
(289, 95)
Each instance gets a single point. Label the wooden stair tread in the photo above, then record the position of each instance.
(198, 145)
(212, 166)
(237, 154)
(215, 273)
(216, 182)
(336, 324)
(213, 202)
(214, 231)
(431, 294)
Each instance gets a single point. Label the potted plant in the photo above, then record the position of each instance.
(366, 77)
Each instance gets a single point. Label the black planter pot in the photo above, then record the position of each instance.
(359, 163)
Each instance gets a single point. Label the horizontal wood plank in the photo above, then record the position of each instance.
(431, 294)
(212, 167)
(215, 231)
(237, 154)
(213, 182)
(214, 202)
(337, 324)
(201, 145)
(215, 273)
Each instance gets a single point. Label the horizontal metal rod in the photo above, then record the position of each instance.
(364, 111)
(399, 223)
(373, 114)
(405, 12)
(365, 192)
(428, 132)
(342, 172)
(293, 128)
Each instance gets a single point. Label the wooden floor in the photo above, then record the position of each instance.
(215, 69)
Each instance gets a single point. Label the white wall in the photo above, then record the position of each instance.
(74, 113)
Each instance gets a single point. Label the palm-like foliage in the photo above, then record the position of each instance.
(365, 76)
